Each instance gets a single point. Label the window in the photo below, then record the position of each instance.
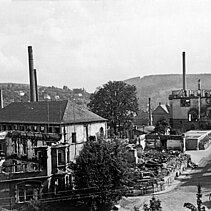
(1, 147)
(21, 194)
(39, 155)
(27, 192)
(67, 181)
(28, 128)
(34, 128)
(86, 133)
(57, 130)
(74, 138)
(42, 129)
(68, 154)
(101, 132)
(185, 102)
(38, 128)
(193, 115)
(61, 156)
(21, 127)
(208, 112)
(50, 129)
(4, 127)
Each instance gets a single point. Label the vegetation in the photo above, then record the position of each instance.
(155, 205)
(161, 126)
(100, 171)
(20, 92)
(199, 202)
(117, 102)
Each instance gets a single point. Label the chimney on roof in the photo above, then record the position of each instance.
(31, 75)
(1, 99)
(184, 73)
(36, 89)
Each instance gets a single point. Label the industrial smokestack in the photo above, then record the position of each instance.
(1, 99)
(36, 89)
(199, 84)
(184, 73)
(150, 118)
(31, 75)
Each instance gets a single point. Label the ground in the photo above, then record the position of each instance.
(183, 190)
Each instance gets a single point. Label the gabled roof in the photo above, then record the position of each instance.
(74, 113)
(45, 112)
(162, 108)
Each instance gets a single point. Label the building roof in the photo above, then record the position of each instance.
(197, 134)
(161, 108)
(45, 112)
(147, 129)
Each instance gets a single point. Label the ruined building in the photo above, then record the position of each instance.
(190, 109)
(38, 142)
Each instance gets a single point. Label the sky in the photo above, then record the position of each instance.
(86, 43)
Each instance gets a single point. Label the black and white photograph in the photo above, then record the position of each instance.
(105, 105)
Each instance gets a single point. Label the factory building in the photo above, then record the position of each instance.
(38, 142)
(190, 109)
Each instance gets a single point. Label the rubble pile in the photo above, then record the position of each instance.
(155, 170)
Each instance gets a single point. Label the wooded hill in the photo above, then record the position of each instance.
(13, 92)
(159, 87)
(156, 87)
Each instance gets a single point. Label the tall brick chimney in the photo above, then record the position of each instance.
(184, 71)
(36, 88)
(31, 75)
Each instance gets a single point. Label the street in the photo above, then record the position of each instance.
(184, 189)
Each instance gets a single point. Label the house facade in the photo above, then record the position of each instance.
(161, 112)
(38, 142)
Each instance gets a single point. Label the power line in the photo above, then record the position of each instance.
(72, 191)
(73, 197)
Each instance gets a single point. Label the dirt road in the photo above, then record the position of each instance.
(184, 188)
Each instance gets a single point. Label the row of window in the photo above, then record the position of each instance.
(33, 128)
(29, 192)
(187, 103)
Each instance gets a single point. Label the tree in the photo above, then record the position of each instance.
(199, 202)
(99, 172)
(161, 126)
(115, 101)
(155, 205)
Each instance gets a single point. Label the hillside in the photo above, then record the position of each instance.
(20, 92)
(158, 87)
